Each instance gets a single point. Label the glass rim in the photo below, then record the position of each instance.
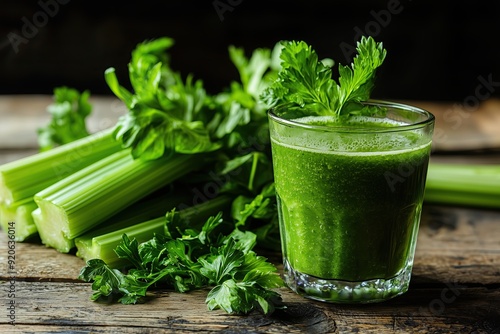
(352, 129)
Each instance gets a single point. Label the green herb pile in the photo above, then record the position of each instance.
(193, 259)
(176, 195)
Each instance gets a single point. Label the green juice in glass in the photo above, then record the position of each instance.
(349, 200)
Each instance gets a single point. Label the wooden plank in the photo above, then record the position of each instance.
(62, 306)
(458, 127)
(11, 155)
(453, 244)
(456, 266)
(36, 262)
(459, 228)
(458, 244)
(22, 115)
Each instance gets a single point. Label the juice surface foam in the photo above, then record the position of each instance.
(353, 121)
(355, 136)
(348, 150)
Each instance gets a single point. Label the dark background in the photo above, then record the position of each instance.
(436, 49)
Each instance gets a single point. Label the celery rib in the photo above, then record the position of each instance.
(25, 177)
(103, 246)
(101, 243)
(463, 184)
(83, 200)
(19, 214)
(444, 196)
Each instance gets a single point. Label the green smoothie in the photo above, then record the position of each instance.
(349, 202)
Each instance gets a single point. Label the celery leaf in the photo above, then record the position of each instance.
(170, 114)
(68, 114)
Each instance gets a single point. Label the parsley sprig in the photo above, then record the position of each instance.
(189, 259)
(304, 82)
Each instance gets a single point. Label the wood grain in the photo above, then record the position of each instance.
(22, 115)
(455, 284)
(457, 127)
(64, 306)
(456, 266)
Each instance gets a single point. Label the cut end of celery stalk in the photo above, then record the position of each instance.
(6, 196)
(17, 216)
(51, 232)
(86, 249)
(85, 199)
(103, 246)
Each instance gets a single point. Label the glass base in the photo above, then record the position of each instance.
(346, 292)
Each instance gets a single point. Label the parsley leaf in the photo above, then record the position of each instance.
(241, 281)
(242, 115)
(242, 297)
(305, 84)
(302, 80)
(356, 83)
(244, 281)
(107, 281)
(259, 215)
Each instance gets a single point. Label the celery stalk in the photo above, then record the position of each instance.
(19, 213)
(83, 200)
(195, 217)
(463, 184)
(461, 198)
(102, 247)
(143, 210)
(23, 178)
(101, 243)
(89, 245)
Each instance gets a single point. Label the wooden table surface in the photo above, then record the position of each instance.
(455, 286)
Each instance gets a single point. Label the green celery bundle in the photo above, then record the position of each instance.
(20, 180)
(83, 200)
